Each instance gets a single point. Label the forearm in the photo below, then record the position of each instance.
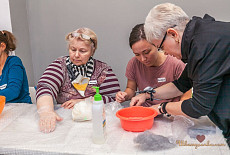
(167, 91)
(45, 103)
(47, 116)
(10, 94)
(174, 108)
(186, 95)
(130, 93)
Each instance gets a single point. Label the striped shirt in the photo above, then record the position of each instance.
(56, 82)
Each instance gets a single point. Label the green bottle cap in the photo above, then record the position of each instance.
(97, 96)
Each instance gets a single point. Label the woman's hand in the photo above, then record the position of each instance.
(46, 113)
(69, 104)
(139, 99)
(155, 107)
(120, 96)
(48, 120)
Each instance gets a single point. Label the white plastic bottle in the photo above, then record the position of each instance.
(99, 120)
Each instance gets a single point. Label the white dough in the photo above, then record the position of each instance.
(82, 111)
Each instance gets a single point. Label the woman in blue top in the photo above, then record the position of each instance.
(13, 78)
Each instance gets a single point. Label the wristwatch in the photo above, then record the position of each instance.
(150, 90)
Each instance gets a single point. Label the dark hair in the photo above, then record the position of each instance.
(9, 39)
(137, 34)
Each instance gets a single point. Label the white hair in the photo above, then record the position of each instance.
(164, 16)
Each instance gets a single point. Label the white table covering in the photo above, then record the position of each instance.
(19, 134)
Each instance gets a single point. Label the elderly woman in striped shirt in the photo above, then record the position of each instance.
(69, 79)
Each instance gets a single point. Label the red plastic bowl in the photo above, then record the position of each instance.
(2, 103)
(137, 118)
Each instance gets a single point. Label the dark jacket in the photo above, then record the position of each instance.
(206, 49)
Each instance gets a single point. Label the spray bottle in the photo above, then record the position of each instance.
(99, 121)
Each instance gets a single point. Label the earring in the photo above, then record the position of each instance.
(178, 41)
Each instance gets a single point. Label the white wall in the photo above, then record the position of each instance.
(112, 20)
(18, 10)
(5, 23)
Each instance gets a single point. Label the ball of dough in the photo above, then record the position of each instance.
(82, 111)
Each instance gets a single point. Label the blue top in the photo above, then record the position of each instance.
(13, 81)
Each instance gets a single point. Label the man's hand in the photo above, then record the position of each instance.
(139, 99)
(155, 107)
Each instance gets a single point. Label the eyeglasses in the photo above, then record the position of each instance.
(84, 36)
(160, 47)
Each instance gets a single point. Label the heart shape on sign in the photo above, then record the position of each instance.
(200, 138)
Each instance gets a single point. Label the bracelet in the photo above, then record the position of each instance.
(164, 109)
(148, 90)
(151, 94)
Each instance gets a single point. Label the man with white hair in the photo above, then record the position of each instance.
(202, 43)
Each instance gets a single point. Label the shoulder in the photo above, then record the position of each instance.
(170, 60)
(176, 66)
(133, 62)
(134, 65)
(14, 60)
(101, 64)
(60, 60)
(58, 65)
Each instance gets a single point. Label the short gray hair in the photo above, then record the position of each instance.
(163, 16)
(86, 31)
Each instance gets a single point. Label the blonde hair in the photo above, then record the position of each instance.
(164, 16)
(87, 32)
(9, 39)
